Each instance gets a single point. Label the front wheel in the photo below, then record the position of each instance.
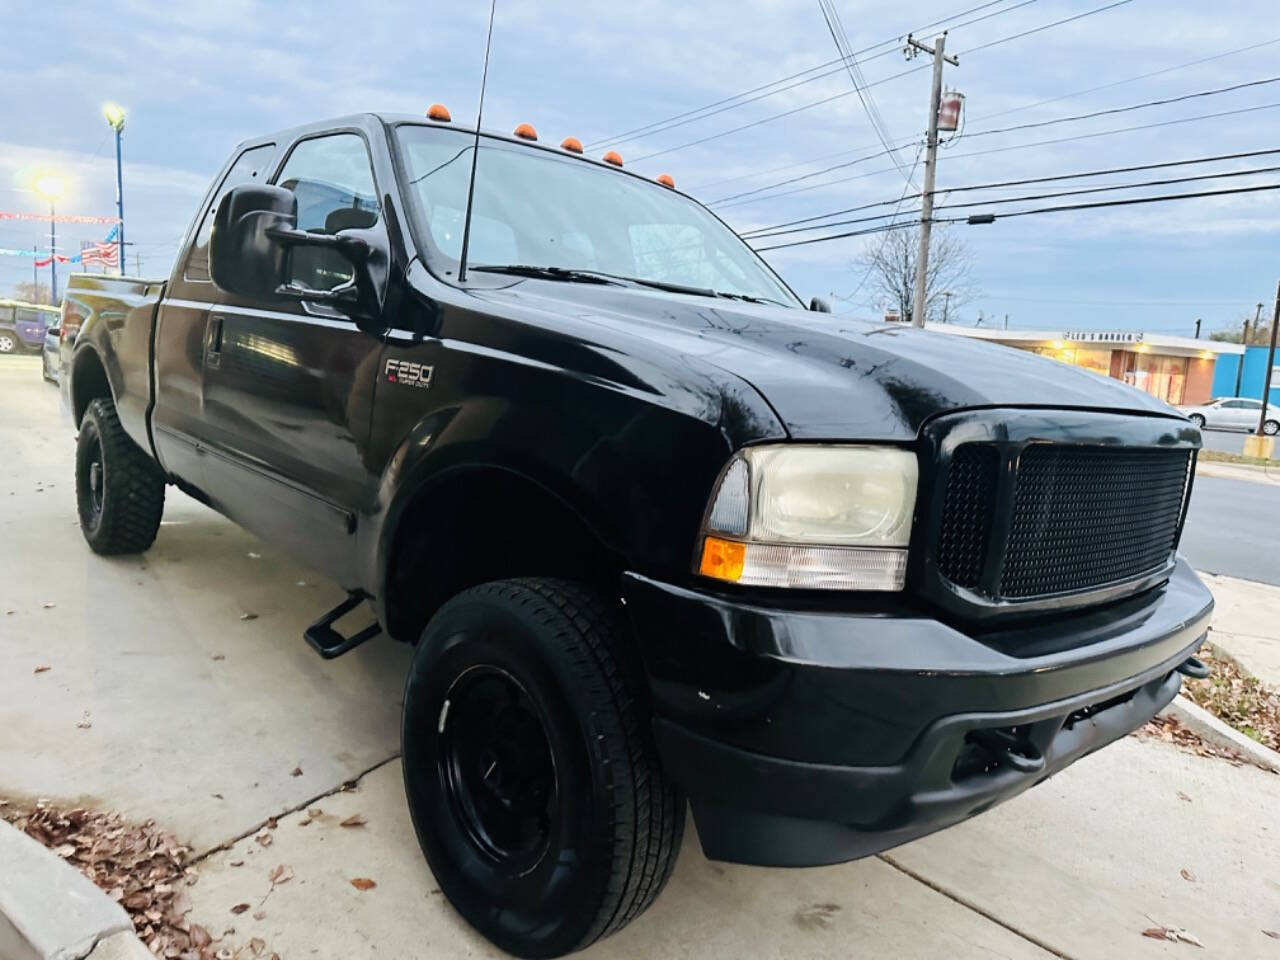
(119, 489)
(1197, 420)
(8, 342)
(532, 778)
(1271, 428)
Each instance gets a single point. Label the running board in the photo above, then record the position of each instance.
(328, 642)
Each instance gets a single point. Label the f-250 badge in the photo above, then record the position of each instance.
(409, 373)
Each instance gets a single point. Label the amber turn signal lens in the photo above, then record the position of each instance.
(613, 157)
(526, 132)
(438, 112)
(722, 559)
(667, 180)
(572, 144)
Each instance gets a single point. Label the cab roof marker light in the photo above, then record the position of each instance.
(666, 180)
(572, 144)
(525, 131)
(439, 113)
(614, 157)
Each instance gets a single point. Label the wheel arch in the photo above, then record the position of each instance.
(89, 381)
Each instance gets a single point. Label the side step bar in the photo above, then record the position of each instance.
(328, 642)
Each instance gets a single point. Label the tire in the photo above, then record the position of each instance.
(119, 489)
(526, 695)
(1271, 428)
(1197, 420)
(9, 342)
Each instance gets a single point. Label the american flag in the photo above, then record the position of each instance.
(107, 254)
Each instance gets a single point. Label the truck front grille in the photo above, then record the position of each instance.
(1074, 518)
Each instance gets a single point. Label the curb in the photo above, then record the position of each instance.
(1249, 472)
(1203, 723)
(50, 911)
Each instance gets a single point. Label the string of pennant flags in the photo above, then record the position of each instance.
(57, 218)
(106, 253)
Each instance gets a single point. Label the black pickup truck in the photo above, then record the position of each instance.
(657, 529)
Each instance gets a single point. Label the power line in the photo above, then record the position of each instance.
(1024, 146)
(681, 119)
(1023, 126)
(1022, 183)
(1059, 208)
(1038, 196)
(847, 93)
(992, 116)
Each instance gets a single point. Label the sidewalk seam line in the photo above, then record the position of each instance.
(228, 844)
(971, 905)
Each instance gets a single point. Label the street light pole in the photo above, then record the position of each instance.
(53, 255)
(115, 118)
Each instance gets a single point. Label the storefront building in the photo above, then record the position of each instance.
(1178, 370)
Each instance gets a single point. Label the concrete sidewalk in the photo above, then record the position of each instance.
(1246, 624)
(1238, 471)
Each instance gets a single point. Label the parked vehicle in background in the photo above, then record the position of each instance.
(51, 354)
(22, 325)
(656, 529)
(1232, 413)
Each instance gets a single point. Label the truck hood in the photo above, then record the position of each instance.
(828, 377)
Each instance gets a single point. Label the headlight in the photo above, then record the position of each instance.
(817, 517)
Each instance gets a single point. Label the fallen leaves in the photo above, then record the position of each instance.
(138, 865)
(280, 874)
(355, 820)
(1272, 934)
(1237, 697)
(1173, 935)
(248, 616)
(363, 883)
(1170, 730)
(296, 772)
(263, 839)
(1187, 875)
(42, 669)
(84, 723)
(239, 908)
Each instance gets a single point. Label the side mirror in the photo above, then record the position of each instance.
(819, 305)
(256, 237)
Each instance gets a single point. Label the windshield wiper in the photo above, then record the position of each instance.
(547, 273)
(599, 276)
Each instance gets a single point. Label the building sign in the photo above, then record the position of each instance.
(1102, 336)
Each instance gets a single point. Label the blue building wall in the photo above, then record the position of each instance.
(1251, 381)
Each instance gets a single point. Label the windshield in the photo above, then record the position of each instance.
(536, 209)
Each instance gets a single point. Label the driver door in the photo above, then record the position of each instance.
(288, 385)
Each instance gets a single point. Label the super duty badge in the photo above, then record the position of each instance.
(409, 373)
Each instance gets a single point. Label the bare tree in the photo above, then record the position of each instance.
(890, 263)
(31, 292)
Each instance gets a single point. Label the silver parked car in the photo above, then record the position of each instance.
(50, 355)
(1233, 413)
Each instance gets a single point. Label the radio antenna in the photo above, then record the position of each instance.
(475, 153)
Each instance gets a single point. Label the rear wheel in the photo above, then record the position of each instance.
(9, 342)
(532, 777)
(119, 489)
(1271, 428)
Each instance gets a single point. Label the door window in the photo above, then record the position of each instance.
(332, 177)
(248, 167)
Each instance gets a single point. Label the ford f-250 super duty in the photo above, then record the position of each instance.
(657, 530)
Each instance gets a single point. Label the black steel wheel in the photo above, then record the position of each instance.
(119, 489)
(532, 778)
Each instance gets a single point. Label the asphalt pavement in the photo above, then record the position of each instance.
(1233, 528)
(1224, 441)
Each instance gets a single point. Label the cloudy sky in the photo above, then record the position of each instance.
(196, 79)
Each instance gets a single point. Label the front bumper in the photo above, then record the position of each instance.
(805, 737)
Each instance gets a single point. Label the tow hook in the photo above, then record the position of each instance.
(1193, 667)
(1022, 755)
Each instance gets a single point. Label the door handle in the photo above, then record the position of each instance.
(213, 342)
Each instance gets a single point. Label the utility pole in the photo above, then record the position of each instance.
(1006, 321)
(1244, 340)
(946, 302)
(35, 273)
(1198, 328)
(930, 167)
(1271, 360)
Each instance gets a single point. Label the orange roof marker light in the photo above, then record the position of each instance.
(526, 132)
(439, 113)
(667, 180)
(613, 157)
(572, 144)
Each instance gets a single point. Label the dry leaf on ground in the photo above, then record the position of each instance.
(355, 820)
(296, 772)
(1187, 875)
(42, 669)
(281, 874)
(239, 908)
(363, 883)
(1237, 697)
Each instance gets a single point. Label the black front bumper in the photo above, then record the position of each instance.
(807, 737)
